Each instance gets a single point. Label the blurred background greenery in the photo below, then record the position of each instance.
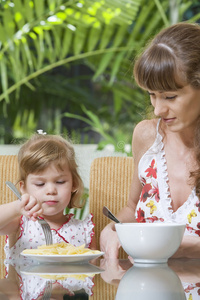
(66, 66)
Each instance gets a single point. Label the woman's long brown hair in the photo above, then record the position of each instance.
(171, 61)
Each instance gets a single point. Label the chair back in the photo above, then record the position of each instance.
(8, 172)
(110, 180)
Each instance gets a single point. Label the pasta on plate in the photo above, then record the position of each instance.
(64, 277)
(60, 249)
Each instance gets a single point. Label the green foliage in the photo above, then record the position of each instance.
(37, 38)
(62, 60)
(44, 43)
(80, 213)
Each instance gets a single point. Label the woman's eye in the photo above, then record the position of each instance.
(170, 97)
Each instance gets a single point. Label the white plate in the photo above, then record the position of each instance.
(53, 269)
(78, 258)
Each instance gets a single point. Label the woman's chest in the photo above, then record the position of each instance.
(165, 195)
(179, 180)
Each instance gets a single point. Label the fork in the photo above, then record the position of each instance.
(47, 291)
(45, 226)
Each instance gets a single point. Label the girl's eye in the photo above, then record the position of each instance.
(60, 182)
(39, 184)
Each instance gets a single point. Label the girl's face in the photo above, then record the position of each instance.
(52, 187)
(178, 109)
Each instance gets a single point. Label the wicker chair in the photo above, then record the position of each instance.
(110, 179)
(8, 171)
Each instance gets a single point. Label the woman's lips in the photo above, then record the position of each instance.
(168, 120)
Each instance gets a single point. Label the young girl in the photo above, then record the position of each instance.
(49, 182)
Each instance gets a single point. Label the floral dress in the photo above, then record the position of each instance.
(154, 204)
(75, 232)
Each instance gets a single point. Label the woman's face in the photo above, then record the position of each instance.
(177, 109)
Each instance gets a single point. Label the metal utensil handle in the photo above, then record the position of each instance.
(113, 218)
(45, 226)
(108, 214)
(14, 189)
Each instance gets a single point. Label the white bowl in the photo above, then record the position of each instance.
(150, 242)
(152, 282)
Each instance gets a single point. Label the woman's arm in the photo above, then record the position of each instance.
(143, 137)
(189, 248)
(188, 270)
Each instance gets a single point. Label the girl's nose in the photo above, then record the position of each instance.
(51, 189)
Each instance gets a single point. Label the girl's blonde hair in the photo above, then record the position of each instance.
(171, 61)
(39, 151)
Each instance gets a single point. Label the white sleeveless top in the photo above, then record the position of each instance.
(32, 284)
(74, 231)
(154, 204)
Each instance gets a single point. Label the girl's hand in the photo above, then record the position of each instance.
(30, 207)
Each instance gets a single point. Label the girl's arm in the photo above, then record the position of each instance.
(10, 213)
(9, 217)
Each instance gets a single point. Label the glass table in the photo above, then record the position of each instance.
(102, 279)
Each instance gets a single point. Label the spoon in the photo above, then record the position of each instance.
(109, 215)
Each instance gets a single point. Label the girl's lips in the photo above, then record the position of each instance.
(51, 202)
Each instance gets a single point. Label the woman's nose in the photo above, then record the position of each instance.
(159, 107)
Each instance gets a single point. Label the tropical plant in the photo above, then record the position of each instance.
(41, 42)
(50, 50)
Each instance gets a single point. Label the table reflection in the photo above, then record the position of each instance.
(178, 279)
(48, 281)
(103, 279)
(151, 282)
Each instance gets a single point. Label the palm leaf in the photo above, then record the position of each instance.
(56, 32)
(38, 35)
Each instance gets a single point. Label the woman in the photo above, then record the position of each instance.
(166, 150)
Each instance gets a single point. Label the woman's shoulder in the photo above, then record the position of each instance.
(144, 135)
(146, 126)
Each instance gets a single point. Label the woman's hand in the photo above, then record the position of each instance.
(114, 270)
(109, 242)
(30, 207)
(189, 248)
